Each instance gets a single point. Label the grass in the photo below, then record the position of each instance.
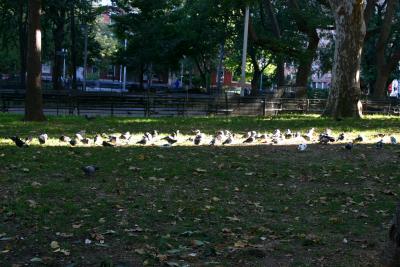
(196, 206)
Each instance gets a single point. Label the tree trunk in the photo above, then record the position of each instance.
(58, 36)
(255, 81)
(141, 74)
(345, 94)
(381, 82)
(280, 72)
(22, 42)
(34, 98)
(391, 253)
(383, 68)
(304, 70)
(307, 58)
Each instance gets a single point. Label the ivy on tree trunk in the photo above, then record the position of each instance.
(345, 93)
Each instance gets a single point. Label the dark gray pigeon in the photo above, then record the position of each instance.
(65, 138)
(90, 170)
(349, 146)
(18, 142)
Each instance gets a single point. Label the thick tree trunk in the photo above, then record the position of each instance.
(304, 70)
(58, 36)
(345, 94)
(34, 98)
(383, 68)
(22, 42)
(307, 58)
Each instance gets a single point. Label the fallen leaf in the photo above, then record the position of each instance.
(240, 244)
(36, 259)
(140, 251)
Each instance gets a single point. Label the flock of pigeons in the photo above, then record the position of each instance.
(221, 138)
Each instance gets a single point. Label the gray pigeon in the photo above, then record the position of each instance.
(379, 144)
(393, 140)
(43, 138)
(65, 139)
(90, 170)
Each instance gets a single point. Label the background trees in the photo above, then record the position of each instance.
(207, 37)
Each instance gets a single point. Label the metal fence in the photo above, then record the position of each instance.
(148, 105)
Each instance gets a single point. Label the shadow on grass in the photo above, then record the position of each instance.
(232, 205)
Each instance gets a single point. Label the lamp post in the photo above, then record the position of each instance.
(245, 41)
(85, 58)
(124, 84)
(64, 55)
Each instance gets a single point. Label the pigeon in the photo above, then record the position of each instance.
(249, 140)
(125, 136)
(113, 139)
(28, 139)
(18, 142)
(198, 139)
(90, 170)
(246, 135)
(98, 140)
(43, 139)
(379, 144)
(340, 137)
(218, 138)
(173, 138)
(349, 146)
(325, 139)
(261, 136)
(65, 139)
(358, 139)
(309, 135)
(154, 134)
(79, 137)
(393, 140)
(302, 147)
(229, 140)
(107, 144)
(85, 141)
(73, 142)
(277, 134)
(144, 141)
(276, 141)
(288, 134)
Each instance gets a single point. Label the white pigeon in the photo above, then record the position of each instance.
(302, 147)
